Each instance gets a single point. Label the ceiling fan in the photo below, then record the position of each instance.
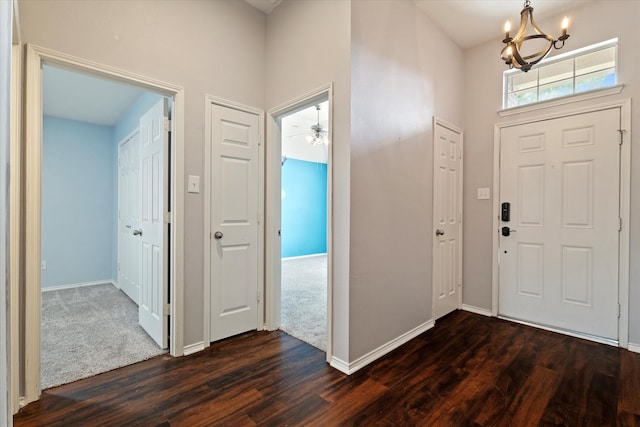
(317, 135)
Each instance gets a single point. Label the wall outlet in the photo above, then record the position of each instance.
(484, 193)
(43, 265)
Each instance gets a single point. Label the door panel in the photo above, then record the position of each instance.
(234, 220)
(559, 265)
(129, 249)
(447, 220)
(154, 143)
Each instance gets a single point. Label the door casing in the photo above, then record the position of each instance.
(211, 100)
(459, 194)
(625, 199)
(273, 213)
(36, 56)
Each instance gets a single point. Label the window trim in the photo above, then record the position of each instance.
(550, 61)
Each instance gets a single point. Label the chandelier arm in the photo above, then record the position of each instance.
(522, 30)
(556, 41)
(535, 26)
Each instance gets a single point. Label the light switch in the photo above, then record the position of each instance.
(484, 193)
(193, 184)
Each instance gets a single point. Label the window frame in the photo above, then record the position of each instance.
(556, 59)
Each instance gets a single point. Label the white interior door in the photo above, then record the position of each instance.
(559, 265)
(447, 218)
(153, 231)
(234, 221)
(129, 249)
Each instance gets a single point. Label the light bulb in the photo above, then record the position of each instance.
(507, 26)
(565, 25)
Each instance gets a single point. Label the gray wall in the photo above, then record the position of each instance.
(215, 47)
(592, 23)
(404, 71)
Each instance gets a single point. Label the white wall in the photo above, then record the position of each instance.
(404, 71)
(215, 47)
(593, 22)
(308, 46)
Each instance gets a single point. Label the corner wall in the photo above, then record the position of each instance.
(404, 71)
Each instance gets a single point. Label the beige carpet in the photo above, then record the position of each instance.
(90, 330)
(303, 312)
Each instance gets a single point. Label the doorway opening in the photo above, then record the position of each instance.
(288, 272)
(161, 198)
(91, 208)
(304, 153)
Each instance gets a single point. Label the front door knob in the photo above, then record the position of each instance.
(137, 232)
(506, 231)
(218, 235)
(439, 232)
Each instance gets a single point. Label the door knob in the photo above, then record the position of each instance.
(137, 232)
(506, 231)
(218, 235)
(439, 232)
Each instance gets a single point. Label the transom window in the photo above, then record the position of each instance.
(582, 70)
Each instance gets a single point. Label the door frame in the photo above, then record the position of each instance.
(274, 206)
(214, 100)
(625, 206)
(36, 56)
(460, 194)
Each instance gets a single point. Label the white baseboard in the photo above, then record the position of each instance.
(476, 310)
(634, 347)
(193, 348)
(361, 362)
(79, 285)
(340, 365)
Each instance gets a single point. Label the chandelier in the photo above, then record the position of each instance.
(318, 135)
(513, 55)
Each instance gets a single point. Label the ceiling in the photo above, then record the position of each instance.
(73, 95)
(472, 22)
(295, 127)
(77, 96)
(266, 6)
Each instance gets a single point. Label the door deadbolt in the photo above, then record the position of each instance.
(218, 235)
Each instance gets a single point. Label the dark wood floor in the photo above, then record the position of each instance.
(467, 371)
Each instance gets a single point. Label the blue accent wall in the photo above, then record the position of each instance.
(77, 202)
(304, 208)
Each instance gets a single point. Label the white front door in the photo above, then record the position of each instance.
(129, 249)
(447, 218)
(234, 143)
(153, 231)
(559, 263)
